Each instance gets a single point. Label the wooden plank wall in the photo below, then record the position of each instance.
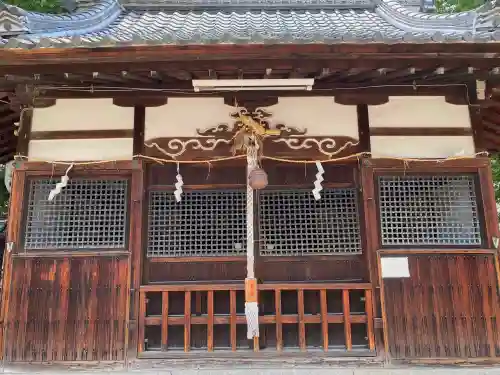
(67, 309)
(449, 307)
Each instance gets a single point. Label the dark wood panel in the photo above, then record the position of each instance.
(279, 174)
(286, 269)
(449, 307)
(312, 268)
(67, 309)
(196, 271)
(204, 174)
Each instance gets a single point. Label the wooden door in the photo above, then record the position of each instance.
(67, 309)
(448, 307)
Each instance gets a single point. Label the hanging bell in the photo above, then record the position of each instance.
(257, 179)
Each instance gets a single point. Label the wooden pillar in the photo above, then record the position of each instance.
(364, 127)
(13, 236)
(475, 117)
(139, 125)
(490, 216)
(137, 197)
(370, 229)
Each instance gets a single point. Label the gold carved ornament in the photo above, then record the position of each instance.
(249, 129)
(251, 132)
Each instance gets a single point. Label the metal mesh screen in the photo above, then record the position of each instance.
(428, 210)
(87, 214)
(292, 222)
(203, 223)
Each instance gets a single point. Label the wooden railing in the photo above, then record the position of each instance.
(170, 313)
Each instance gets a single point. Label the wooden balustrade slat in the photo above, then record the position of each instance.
(324, 319)
(302, 325)
(369, 319)
(279, 324)
(142, 317)
(272, 286)
(267, 319)
(256, 340)
(191, 287)
(209, 319)
(313, 286)
(232, 308)
(210, 323)
(347, 321)
(164, 320)
(187, 321)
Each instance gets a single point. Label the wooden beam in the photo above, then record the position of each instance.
(250, 101)
(457, 99)
(81, 134)
(24, 132)
(183, 91)
(359, 98)
(421, 131)
(43, 102)
(348, 56)
(141, 100)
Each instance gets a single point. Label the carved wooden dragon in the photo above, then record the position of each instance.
(251, 132)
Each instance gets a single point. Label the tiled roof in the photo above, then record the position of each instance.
(136, 22)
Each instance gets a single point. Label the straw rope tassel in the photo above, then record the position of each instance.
(251, 305)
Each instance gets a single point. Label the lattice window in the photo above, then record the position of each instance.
(428, 210)
(292, 222)
(87, 214)
(203, 223)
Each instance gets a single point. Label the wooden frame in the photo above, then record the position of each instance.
(370, 168)
(109, 174)
(130, 169)
(349, 177)
(187, 320)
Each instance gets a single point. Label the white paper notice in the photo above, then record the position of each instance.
(395, 267)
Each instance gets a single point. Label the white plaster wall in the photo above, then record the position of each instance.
(182, 116)
(421, 146)
(419, 111)
(81, 149)
(82, 114)
(321, 116)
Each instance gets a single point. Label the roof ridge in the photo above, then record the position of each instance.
(484, 18)
(109, 24)
(400, 16)
(487, 16)
(11, 21)
(200, 5)
(85, 20)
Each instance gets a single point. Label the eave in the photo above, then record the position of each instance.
(352, 73)
(341, 55)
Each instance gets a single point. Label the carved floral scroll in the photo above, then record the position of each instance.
(216, 141)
